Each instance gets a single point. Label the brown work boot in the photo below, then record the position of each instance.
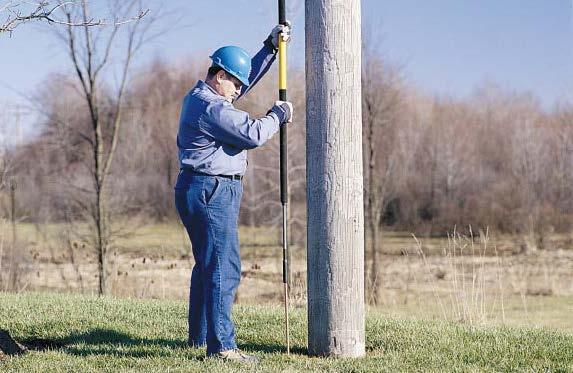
(236, 355)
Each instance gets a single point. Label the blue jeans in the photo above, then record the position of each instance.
(209, 209)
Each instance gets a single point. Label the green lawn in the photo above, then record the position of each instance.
(106, 334)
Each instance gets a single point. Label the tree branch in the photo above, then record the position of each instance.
(43, 11)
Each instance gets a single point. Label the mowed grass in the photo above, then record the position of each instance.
(80, 333)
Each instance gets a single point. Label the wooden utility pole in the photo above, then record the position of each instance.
(334, 178)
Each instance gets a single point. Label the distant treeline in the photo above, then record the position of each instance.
(495, 159)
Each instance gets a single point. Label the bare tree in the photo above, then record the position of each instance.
(4, 163)
(563, 157)
(381, 109)
(18, 12)
(90, 53)
(155, 104)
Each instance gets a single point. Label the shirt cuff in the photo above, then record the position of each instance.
(275, 117)
(269, 44)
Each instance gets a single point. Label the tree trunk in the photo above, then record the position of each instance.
(373, 214)
(101, 246)
(375, 275)
(334, 174)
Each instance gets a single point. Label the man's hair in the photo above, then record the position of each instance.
(213, 70)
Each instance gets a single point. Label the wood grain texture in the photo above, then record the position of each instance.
(334, 175)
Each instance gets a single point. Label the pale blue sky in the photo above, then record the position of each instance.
(444, 46)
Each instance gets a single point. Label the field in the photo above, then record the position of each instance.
(475, 281)
(83, 333)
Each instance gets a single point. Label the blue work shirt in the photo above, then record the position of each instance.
(213, 135)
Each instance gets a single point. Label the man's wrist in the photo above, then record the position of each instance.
(274, 116)
(269, 44)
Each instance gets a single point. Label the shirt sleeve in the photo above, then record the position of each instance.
(260, 64)
(235, 127)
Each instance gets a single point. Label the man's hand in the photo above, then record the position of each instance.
(279, 30)
(283, 110)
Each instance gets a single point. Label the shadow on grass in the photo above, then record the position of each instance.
(272, 348)
(112, 342)
(107, 342)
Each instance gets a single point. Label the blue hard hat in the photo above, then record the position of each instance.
(235, 61)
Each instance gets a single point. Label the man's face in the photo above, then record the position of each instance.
(228, 86)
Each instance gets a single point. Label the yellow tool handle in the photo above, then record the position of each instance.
(282, 64)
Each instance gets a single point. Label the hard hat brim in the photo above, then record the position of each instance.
(217, 62)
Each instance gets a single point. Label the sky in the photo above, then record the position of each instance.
(444, 47)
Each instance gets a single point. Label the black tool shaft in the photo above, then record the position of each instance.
(283, 169)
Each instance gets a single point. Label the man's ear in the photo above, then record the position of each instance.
(220, 75)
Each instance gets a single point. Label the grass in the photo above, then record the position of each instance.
(154, 240)
(170, 239)
(552, 312)
(82, 333)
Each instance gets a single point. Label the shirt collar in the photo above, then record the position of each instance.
(204, 86)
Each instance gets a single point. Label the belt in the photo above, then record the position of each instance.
(232, 177)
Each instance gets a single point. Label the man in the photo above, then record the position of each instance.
(213, 139)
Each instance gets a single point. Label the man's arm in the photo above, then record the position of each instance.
(232, 126)
(260, 64)
(263, 60)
